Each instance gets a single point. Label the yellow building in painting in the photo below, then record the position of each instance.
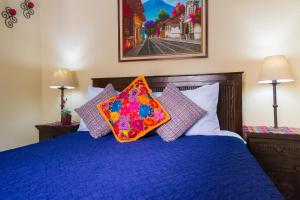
(133, 18)
(138, 25)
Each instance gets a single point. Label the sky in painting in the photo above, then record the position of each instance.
(171, 2)
(153, 7)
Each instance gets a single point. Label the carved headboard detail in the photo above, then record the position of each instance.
(230, 97)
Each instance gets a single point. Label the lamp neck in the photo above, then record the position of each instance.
(62, 102)
(275, 105)
(62, 97)
(275, 82)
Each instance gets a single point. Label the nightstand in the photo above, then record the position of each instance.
(278, 152)
(52, 130)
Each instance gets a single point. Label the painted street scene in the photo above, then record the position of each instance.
(161, 27)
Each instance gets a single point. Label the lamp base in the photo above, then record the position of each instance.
(66, 118)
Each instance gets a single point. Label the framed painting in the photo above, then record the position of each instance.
(162, 29)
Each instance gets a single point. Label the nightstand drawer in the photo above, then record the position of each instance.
(274, 147)
(53, 130)
(50, 135)
(285, 175)
(283, 165)
(287, 183)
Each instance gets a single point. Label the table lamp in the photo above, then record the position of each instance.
(275, 70)
(62, 79)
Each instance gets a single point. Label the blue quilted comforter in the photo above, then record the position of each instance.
(79, 167)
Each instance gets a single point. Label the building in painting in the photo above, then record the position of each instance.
(133, 18)
(191, 6)
(190, 30)
(161, 29)
(173, 28)
(181, 27)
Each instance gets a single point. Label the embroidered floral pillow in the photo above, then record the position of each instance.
(134, 112)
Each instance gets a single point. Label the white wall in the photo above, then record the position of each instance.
(20, 80)
(83, 37)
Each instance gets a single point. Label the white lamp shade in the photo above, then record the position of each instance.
(62, 78)
(275, 69)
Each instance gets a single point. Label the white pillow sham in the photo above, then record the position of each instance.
(92, 92)
(206, 97)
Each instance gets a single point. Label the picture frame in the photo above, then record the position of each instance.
(162, 29)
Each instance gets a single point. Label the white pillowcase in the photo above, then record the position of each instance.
(206, 97)
(92, 92)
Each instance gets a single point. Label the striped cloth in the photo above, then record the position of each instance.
(271, 130)
(90, 115)
(183, 111)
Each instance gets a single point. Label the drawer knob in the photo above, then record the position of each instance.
(279, 149)
(298, 168)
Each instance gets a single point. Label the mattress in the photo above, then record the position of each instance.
(77, 166)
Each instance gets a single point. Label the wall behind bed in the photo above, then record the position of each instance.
(82, 35)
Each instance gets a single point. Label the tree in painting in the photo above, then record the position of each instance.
(150, 28)
(162, 16)
(162, 27)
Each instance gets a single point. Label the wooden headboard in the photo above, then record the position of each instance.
(230, 97)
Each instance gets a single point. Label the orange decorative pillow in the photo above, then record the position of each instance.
(134, 112)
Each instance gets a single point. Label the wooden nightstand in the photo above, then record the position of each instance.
(278, 152)
(52, 130)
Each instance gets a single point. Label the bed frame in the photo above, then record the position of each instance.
(230, 97)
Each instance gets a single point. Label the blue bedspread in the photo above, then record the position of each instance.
(79, 167)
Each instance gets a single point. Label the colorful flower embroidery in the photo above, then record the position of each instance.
(144, 99)
(133, 95)
(116, 106)
(153, 104)
(114, 116)
(159, 115)
(123, 123)
(134, 112)
(144, 111)
(143, 90)
(137, 125)
(149, 121)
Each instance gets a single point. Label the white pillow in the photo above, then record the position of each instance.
(92, 92)
(206, 97)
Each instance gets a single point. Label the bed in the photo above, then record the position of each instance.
(76, 166)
